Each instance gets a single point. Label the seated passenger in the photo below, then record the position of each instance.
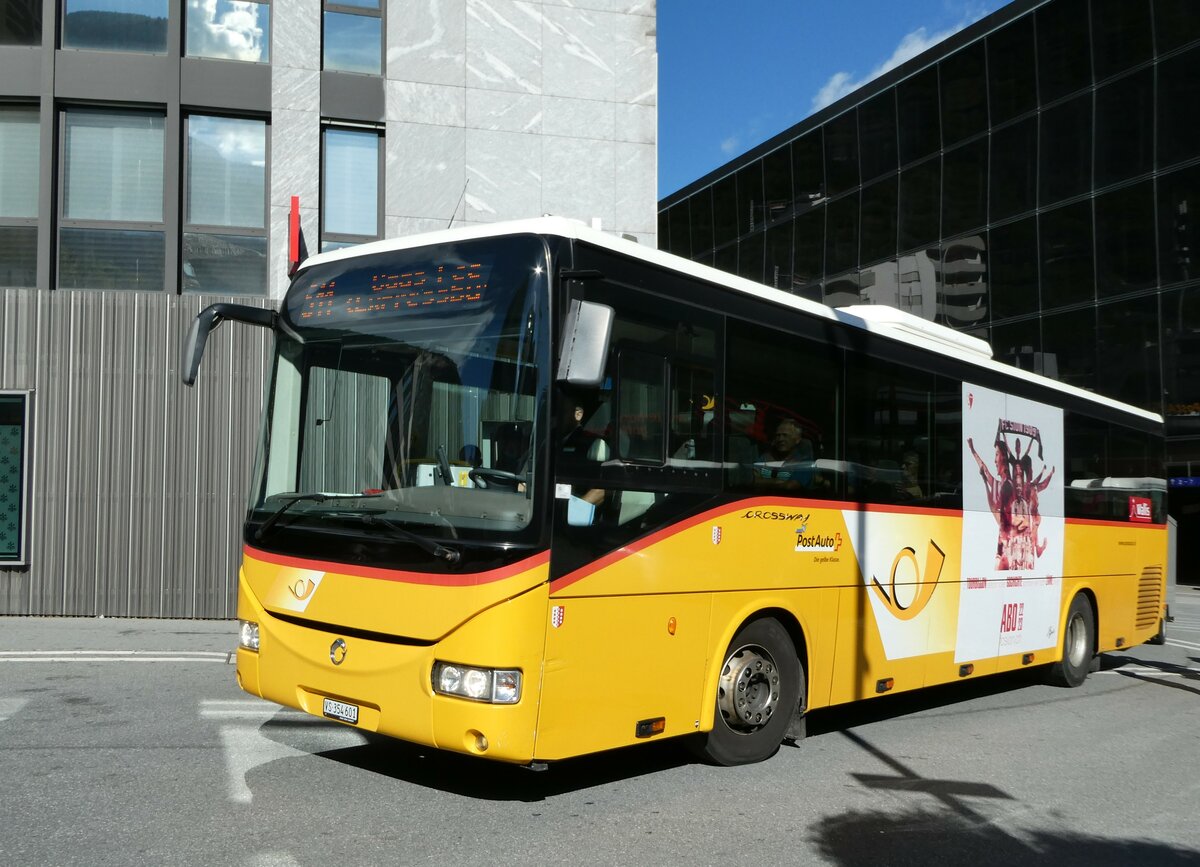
(788, 459)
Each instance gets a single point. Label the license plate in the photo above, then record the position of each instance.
(340, 710)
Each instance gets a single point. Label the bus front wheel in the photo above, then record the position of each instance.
(1079, 643)
(761, 685)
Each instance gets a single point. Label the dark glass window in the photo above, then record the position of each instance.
(353, 31)
(920, 188)
(963, 295)
(808, 168)
(917, 112)
(778, 426)
(1065, 150)
(810, 251)
(679, 225)
(1085, 452)
(1181, 351)
(879, 221)
(1125, 128)
(21, 22)
(1120, 35)
(1178, 95)
(964, 188)
(1012, 263)
(1014, 169)
(1125, 258)
(1064, 62)
(126, 25)
(1128, 341)
(964, 95)
(750, 257)
(1012, 82)
(750, 198)
(351, 187)
(1066, 254)
(841, 153)
(726, 258)
(778, 271)
(1175, 24)
(889, 432)
(1178, 232)
(1069, 347)
(20, 159)
(18, 257)
(14, 477)
(664, 232)
(724, 197)
(777, 183)
(1018, 344)
(841, 243)
(877, 135)
(700, 206)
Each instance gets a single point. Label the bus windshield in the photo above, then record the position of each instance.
(405, 405)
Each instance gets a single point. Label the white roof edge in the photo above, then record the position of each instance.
(878, 319)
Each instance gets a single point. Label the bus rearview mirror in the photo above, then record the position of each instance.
(586, 331)
(208, 319)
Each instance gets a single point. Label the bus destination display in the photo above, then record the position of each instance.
(425, 287)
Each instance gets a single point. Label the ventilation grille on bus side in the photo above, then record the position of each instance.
(1149, 607)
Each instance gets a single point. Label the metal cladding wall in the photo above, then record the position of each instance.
(139, 484)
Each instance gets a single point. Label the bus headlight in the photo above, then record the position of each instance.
(248, 634)
(493, 685)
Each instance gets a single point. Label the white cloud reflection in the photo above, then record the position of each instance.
(229, 30)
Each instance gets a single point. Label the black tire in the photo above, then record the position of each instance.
(1078, 647)
(761, 665)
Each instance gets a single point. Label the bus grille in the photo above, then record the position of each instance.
(1149, 607)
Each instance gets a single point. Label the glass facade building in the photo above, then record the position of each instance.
(1033, 180)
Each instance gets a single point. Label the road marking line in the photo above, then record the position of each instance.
(1186, 645)
(10, 707)
(114, 656)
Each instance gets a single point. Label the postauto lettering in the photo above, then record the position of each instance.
(768, 515)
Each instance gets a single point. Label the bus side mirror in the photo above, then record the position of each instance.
(586, 332)
(208, 319)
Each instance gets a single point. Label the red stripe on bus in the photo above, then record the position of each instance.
(731, 510)
(471, 580)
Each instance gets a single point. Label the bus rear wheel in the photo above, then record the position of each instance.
(1079, 643)
(761, 685)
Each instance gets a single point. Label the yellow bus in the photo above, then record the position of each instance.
(528, 491)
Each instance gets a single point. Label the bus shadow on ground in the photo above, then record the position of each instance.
(944, 836)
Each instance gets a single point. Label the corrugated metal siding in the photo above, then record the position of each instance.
(138, 483)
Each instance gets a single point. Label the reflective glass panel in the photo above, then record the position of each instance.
(1178, 95)
(110, 259)
(917, 110)
(1064, 63)
(21, 22)
(841, 242)
(964, 95)
(224, 264)
(1128, 339)
(809, 245)
(679, 226)
(18, 257)
(964, 188)
(1125, 259)
(1018, 344)
(1013, 170)
(1065, 150)
(1069, 347)
(841, 153)
(920, 199)
(777, 183)
(1125, 128)
(963, 298)
(20, 146)
(808, 168)
(750, 210)
(1012, 83)
(879, 221)
(1012, 266)
(114, 166)
(1181, 352)
(1175, 24)
(1066, 254)
(227, 170)
(701, 209)
(877, 135)
(750, 257)
(1179, 225)
(350, 183)
(116, 25)
(353, 43)
(229, 30)
(1120, 35)
(778, 264)
(724, 197)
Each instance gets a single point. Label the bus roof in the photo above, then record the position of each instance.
(875, 318)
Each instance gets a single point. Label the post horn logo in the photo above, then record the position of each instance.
(926, 583)
(303, 588)
(337, 652)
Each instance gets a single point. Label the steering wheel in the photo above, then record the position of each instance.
(484, 476)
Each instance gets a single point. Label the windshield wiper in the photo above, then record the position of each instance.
(427, 545)
(315, 497)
